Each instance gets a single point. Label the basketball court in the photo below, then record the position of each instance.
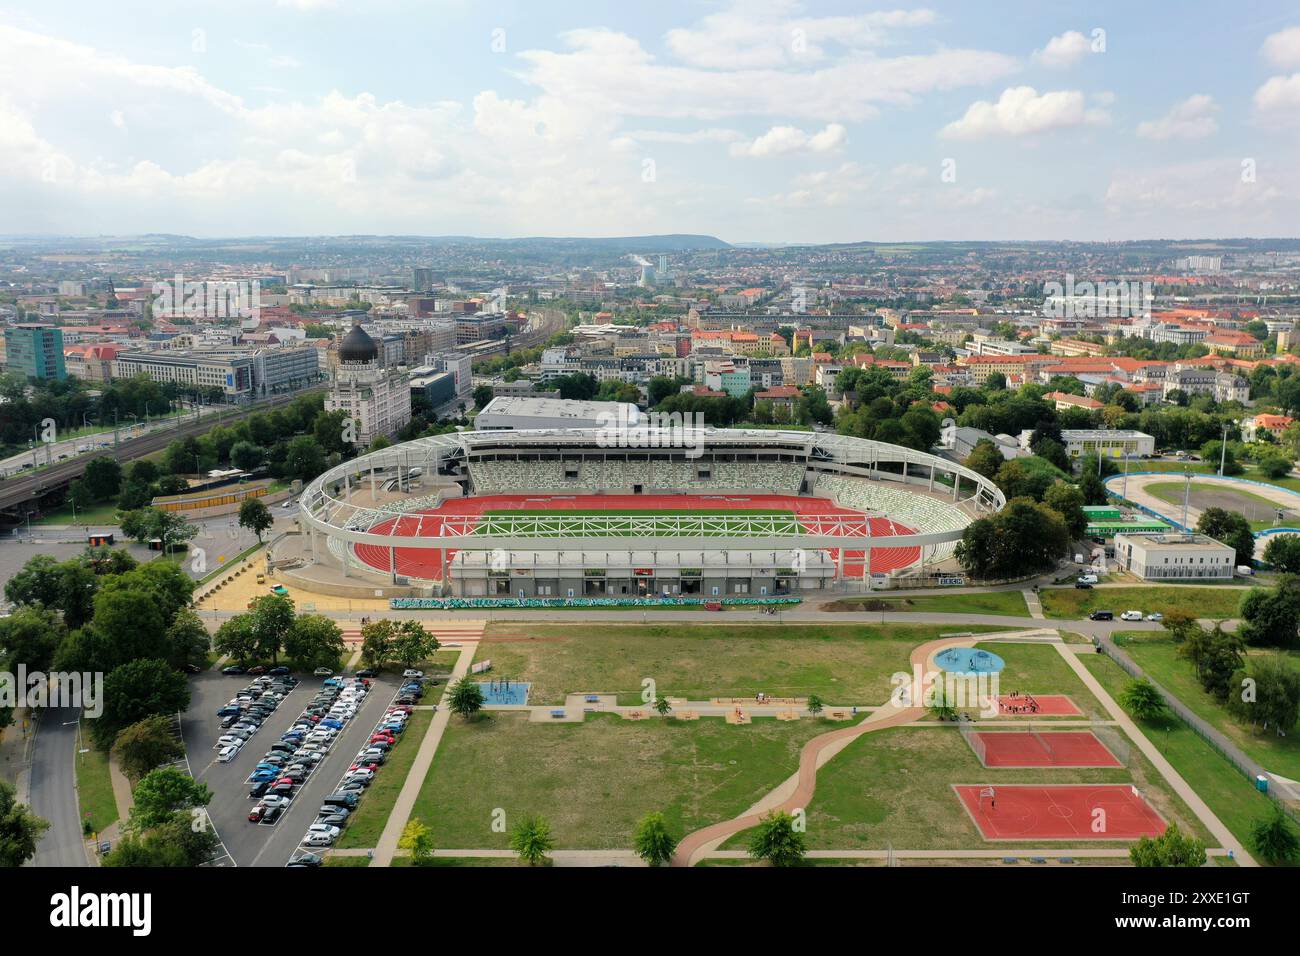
(1072, 812)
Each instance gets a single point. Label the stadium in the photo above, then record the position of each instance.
(657, 514)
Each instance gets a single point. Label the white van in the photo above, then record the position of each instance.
(1087, 579)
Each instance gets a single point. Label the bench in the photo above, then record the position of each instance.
(557, 713)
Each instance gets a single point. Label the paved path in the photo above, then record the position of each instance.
(1163, 766)
(405, 801)
(1033, 603)
(796, 792)
(54, 789)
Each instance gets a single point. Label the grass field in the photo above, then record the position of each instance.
(100, 514)
(1225, 791)
(894, 787)
(843, 664)
(1218, 603)
(1158, 656)
(593, 781)
(372, 814)
(563, 522)
(95, 789)
(1002, 603)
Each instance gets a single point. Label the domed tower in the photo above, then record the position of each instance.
(377, 398)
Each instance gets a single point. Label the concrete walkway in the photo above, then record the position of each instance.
(405, 801)
(1163, 766)
(1034, 604)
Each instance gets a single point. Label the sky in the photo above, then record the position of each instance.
(750, 120)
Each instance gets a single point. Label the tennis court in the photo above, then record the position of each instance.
(1050, 749)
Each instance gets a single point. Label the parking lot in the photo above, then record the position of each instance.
(251, 844)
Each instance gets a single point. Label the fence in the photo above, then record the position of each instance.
(1217, 741)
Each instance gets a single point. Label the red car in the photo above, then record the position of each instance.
(385, 738)
(403, 708)
(255, 814)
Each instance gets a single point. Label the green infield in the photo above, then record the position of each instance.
(843, 664)
(593, 781)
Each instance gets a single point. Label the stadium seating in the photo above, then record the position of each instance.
(594, 476)
(908, 506)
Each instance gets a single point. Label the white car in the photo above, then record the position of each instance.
(412, 673)
(230, 740)
(320, 839)
(228, 753)
(1155, 616)
(1087, 579)
(365, 776)
(1131, 616)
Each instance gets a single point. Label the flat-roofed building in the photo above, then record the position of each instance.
(1107, 442)
(1160, 557)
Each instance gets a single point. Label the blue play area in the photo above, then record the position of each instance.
(501, 692)
(968, 660)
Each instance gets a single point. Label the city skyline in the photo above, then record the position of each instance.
(765, 122)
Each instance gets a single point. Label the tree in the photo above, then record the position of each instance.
(1282, 553)
(1274, 838)
(1230, 528)
(777, 840)
(465, 697)
(314, 640)
(1171, 848)
(271, 618)
(418, 839)
(20, 829)
(1022, 538)
(188, 641)
(652, 841)
(131, 621)
(235, 638)
(146, 744)
(103, 478)
(412, 644)
(985, 458)
(1214, 451)
(482, 395)
(303, 458)
(377, 643)
(1067, 501)
(30, 636)
(815, 704)
(245, 455)
(163, 792)
(1269, 616)
(531, 839)
(1215, 656)
(1141, 699)
(1269, 694)
(254, 516)
(1273, 465)
(136, 690)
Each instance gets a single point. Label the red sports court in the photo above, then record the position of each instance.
(1031, 812)
(1051, 749)
(426, 563)
(1037, 705)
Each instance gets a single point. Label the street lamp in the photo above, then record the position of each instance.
(1223, 445)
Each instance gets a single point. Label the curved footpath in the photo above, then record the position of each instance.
(797, 791)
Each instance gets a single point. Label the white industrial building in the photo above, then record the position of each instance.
(1162, 557)
(507, 412)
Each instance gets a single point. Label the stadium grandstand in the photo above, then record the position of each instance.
(581, 513)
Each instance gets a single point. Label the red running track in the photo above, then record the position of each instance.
(1030, 812)
(426, 563)
(1063, 749)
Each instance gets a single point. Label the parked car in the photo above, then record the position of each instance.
(307, 859)
(1155, 616)
(257, 669)
(281, 669)
(412, 673)
(367, 672)
(228, 753)
(1131, 616)
(1083, 585)
(1088, 579)
(233, 669)
(333, 820)
(323, 672)
(1102, 616)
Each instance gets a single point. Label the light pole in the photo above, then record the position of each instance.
(1223, 446)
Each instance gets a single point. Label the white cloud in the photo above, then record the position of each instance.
(1193, 118)
(283, 62)
(1279, 96)
(610, 73)
(769, 33)
(1064, 51)
(1210, 188)
(780, 140)
(1021, 111)
(1282, 49)
(306, 5)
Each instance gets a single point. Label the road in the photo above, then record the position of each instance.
(54, 789)
(16, 491)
